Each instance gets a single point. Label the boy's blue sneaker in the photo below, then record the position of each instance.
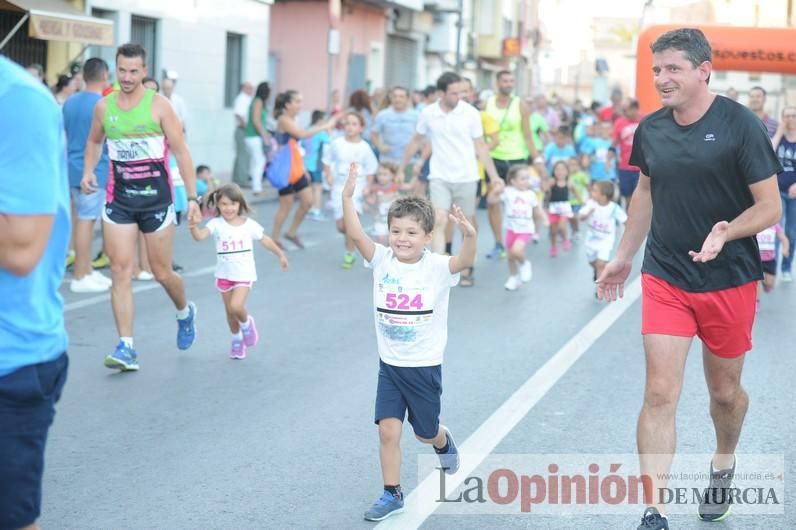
(449, 460)
(124, 358)
(186, 328)
(386, 506)
(498, 252)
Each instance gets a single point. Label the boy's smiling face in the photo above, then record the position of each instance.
(407, 239)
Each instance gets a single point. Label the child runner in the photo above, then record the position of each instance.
(766, 241)
(411, 287)
(382, 194)
(520, 207)
(580, 181)
(235, 270)
(314, 146)
(603, 215)
(344, 151)
(559, 210)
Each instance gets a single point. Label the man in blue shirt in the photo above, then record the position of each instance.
(78, 113)
(394, 126)
(34, 234)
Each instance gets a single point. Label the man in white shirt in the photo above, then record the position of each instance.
(456, 136)
(240, 171)
(167, 88)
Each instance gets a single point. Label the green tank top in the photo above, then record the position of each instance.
(512, 144)
(138, 153)
(250, 130)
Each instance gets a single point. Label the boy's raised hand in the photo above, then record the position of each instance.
(351, 182)
(458, 217)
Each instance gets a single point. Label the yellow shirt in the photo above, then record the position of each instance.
(491, 127)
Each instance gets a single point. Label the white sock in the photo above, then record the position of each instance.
(128, 341)
(244, 325)
(237, 336)
(182, 314)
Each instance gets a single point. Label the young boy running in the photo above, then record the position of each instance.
(411, 286)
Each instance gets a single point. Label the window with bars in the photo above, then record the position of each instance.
(233, 68)
(143, 31)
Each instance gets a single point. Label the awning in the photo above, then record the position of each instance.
(57, 20)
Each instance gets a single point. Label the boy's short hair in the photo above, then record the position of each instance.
(606, 187)
(418, 207)
(563, 130)
(202, 168)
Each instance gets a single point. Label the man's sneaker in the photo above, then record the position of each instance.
(513, 283)
(316, 215)
(101, 278)
(250, 336)
(387, 505)
(348, 260)
(786, 277)
(124, 358)
(526, 272)
(186, 328)
(653, 520)
(87, 284)
(102, 261)
(238, 349)
(449, 461)
(499, 252)
(717, 497)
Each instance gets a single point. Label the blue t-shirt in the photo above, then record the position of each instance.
(312, 147)
(395, 129)
(553, 153)
(33, 181)
(597, 149)
(78, 113)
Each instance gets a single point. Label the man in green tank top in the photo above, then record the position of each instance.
(140, 127)
(515, 145)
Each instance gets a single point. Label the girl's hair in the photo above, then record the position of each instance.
(390, 166)
(232, 192)
(360, 100)
(514, 170)
(559, 163)
(317, 115)
(63, 82)
(357, 115)
(263, 91)
(151, 80)
(282, 100)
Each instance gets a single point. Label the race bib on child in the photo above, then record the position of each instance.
(231, 249)
(401, 310)
(767, 240)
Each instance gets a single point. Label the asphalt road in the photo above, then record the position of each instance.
(285, 439)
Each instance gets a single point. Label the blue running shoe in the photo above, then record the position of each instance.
(386, 506)
(450, 460)
(124, 358)
(499, 252)
(186, 328)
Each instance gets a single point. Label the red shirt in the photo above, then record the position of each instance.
(609, 113)
(624, 130)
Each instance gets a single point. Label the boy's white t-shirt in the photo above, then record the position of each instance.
(411, 307)
(234, 248)
(339, 157)
(602, 222)
(518, 207)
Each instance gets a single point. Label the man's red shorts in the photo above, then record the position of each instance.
(721, 319)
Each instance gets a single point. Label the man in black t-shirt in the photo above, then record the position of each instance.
(707, 186)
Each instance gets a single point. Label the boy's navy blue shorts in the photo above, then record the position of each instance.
(27, 407)
(416, 389)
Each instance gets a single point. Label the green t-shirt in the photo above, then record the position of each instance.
(580, 180)
(538, 124)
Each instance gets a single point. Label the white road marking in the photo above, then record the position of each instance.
(148, 286)
(421, 502)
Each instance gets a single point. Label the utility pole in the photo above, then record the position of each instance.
(459, 26)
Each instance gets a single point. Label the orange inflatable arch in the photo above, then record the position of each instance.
(734, 48)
